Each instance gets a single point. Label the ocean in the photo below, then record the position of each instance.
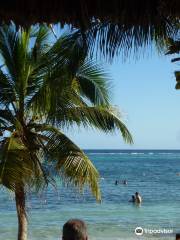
(155, 174)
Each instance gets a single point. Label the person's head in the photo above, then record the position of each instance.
(137, 194)
(75, 229)
(178, 236)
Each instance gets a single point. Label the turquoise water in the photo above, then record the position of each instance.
(152, 173)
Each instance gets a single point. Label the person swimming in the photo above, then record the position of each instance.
(138, 198)
(125, 182)
(132, 199)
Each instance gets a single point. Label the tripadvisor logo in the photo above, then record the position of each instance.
(139, 231)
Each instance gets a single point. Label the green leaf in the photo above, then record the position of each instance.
(70, 161)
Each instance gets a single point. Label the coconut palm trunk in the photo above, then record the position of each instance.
(21, 213)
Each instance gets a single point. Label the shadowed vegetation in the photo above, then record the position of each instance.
(118, 25)
(174, 49)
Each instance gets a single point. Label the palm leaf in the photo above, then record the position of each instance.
(112, 39)
(103, 118)
(173, 47)
(70, 161)
(93, 82)
(41, 44)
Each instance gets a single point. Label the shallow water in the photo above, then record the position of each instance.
(152, 173)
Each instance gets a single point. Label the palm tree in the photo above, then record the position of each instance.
(47, 86)
(174, 48)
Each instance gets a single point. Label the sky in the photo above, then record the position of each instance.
(144, 91)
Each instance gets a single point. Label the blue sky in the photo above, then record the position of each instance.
(144, 91)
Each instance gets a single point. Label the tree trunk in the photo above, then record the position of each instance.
(21, 213)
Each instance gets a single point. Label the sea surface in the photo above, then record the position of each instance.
(155, 174)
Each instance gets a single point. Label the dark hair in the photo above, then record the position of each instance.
(177, 236)
(75, 229)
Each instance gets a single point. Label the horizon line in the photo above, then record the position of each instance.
(136, 149)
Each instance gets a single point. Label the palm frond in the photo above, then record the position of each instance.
(8, 94)
(14, 163)
(7, 117)
(93, 82)
(8, 41)
(103, 118)
(41, 44)
(70, 161)
(173, 47)
(20, 165)
(109, 39)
